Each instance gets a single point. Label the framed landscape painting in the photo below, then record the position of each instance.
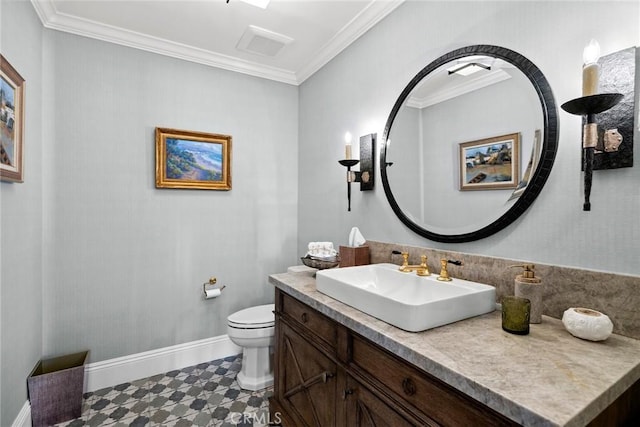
(490, 163)
(195, 160)
(11, 122)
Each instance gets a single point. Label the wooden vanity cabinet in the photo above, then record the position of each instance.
(327, 375)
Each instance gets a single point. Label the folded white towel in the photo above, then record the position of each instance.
(321, 250)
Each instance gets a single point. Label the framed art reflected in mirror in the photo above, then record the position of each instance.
(490, 163)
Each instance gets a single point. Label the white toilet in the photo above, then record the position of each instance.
(253, 330)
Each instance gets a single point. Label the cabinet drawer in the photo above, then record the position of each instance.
(309, 319)
(422, 392)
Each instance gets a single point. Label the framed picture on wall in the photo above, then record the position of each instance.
(194, 160)
(11, 122)
(490, 163)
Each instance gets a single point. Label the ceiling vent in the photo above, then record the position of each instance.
(262, 42)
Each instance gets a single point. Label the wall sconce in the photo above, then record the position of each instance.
(607, 105)
(365, 176)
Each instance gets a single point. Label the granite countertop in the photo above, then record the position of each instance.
(546, 378)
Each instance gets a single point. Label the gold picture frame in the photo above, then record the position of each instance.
(11, 123)
(490, 163)
(192, 160)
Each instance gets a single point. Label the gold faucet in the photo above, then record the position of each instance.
(444, 274)
(421, 270)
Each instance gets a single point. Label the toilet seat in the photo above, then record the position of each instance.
(257, 317)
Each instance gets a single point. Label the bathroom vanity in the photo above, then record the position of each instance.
(335, 365)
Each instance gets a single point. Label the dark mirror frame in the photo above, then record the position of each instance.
(547, 155)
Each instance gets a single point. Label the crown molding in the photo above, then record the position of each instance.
(372, 14)
(466, 86)
(363, 22)
(55, 20)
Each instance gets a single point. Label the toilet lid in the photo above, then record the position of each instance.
(260, 316)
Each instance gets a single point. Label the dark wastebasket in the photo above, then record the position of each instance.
(55, 389)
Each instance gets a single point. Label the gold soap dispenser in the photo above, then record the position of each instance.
(528, 286)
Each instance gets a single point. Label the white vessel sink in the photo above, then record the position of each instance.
(406, 300)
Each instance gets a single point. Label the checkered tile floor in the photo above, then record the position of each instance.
(203, 395)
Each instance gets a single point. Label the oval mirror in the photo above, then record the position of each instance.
(469, 144)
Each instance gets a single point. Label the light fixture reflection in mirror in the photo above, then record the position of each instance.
(468, 69)
(432, 117)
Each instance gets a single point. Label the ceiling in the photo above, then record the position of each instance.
(287, 42)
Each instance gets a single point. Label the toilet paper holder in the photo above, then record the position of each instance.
(211, 285)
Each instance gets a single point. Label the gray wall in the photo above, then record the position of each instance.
(21, 252)
(93, 255)
(124, 261)
(356, 91)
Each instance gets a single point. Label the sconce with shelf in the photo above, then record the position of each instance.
(607, 107)
(589, 106)
(365, 176)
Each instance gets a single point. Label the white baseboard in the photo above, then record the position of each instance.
(116, 371)
(141, 365)
(24, 416)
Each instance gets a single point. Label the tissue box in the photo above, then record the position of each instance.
(351, 256)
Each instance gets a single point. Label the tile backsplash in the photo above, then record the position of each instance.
(616, 295)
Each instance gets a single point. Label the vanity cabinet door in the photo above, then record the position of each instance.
(365, 409)
(306, 383)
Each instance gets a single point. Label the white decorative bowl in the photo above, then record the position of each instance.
(587, 324)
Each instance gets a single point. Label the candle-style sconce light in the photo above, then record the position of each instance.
(607, 107)
(365, 175)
